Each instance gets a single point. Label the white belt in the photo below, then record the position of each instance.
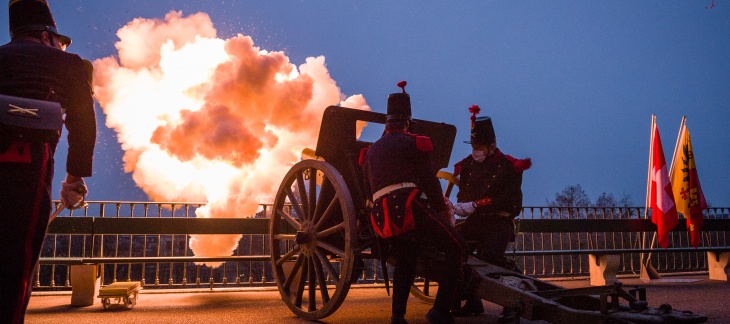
(392, 187)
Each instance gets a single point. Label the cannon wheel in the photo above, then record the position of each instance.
(313, 266)
(427, 292)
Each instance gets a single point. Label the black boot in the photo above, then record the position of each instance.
(436, 316)
(508, 316)
(472, 306)
(398, 319)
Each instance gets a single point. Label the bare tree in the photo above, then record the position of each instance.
(571, 196)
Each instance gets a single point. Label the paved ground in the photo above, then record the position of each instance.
(362, 305)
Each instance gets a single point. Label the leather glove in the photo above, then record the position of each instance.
(464, 208)
(72, 194)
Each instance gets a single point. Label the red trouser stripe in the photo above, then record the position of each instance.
(28, 263)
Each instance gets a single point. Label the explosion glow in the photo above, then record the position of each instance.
(206, 119)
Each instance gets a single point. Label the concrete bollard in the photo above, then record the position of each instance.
(603, 268)
(717, 265)
(84, 284)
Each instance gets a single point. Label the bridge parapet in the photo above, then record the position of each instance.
(149, 242)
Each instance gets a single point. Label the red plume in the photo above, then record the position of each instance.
(402, 85)
(474, 110)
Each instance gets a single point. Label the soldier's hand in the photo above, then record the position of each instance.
(449, 206)
(464, 208)
(449, 212)
(73, 193)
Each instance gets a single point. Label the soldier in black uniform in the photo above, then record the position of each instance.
(34, 65)
(490, 196)
(409, 209)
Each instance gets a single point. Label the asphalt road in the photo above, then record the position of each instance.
(362, 305)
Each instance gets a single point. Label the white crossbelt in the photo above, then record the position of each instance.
(392, 187)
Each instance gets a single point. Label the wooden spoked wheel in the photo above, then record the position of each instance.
(312, 238)
(426, 291)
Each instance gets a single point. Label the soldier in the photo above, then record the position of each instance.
(37, 80)
(490, 196)
(409, 209)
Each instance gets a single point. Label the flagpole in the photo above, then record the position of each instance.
(648, 173)
(650, 272)
(676, 146)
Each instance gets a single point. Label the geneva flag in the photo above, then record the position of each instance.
(663, 210)
(686, 184)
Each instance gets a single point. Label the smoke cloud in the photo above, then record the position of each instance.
(203, 119)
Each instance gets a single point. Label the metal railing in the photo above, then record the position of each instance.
(575, 265)
(258, 272)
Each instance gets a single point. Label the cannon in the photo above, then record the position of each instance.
(320, 232)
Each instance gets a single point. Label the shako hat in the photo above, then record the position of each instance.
(32, 15)
(482, 131)
(399, 104)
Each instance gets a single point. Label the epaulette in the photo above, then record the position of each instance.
(457, 167)
(423, 143)
(363, 155)
(519, 164)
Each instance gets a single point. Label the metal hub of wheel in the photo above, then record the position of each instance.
(306, 239)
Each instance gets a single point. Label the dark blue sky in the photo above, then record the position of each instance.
(571, 84)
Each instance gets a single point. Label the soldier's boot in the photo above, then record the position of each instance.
(473, 306)
(508, 315)
(398, 319)
(437, 316)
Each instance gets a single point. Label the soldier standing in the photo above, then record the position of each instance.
(38, 79)
(409, 209)
(490, 196)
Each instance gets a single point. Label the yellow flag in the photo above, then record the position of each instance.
(686, 185)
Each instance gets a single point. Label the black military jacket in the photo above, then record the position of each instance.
(495, 178)
(37, 71)
(399, 157)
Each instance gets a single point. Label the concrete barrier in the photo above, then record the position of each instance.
(603, 268)
(717, 265)
(85, 284)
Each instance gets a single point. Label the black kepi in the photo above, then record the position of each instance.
(32, 15)
(482, 131)
(399, 104)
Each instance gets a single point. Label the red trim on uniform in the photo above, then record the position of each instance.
(17, 152)
(519, 164)
(363, 154)
(483, 202)
(409, 222)
(423, 143)
(27, 266)
(457, 168)
(391, 229)
(387, 232)
(375, 225)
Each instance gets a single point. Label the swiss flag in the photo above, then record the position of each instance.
(663, 210)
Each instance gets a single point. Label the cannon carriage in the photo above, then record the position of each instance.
(321, 231)
(320, 228)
